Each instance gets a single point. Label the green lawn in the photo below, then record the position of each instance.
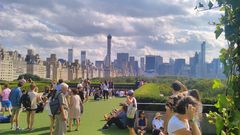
(92, 121)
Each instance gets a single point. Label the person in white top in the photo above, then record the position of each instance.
(34, 98)
(157, 124)
(184, 118)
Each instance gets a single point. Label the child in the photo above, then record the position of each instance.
(141, 123)
(75, 109)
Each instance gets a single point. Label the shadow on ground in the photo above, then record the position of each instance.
(13, 132)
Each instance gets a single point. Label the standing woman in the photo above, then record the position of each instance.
(105, 90)
(132, 108)
(6, 103)
(34, 98)
(76, 108)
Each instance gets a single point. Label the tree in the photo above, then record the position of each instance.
(30, 76)
(227, 121)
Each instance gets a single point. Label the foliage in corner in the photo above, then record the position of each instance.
(227, 119)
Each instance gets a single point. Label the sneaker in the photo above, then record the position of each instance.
(105, 127)
(18, 129)
(31, 129)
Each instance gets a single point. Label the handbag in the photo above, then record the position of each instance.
(132, 109)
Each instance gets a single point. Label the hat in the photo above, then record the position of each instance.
(130, 92)
(158, 114)
(22, 81)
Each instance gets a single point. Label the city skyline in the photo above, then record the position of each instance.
(144, 29)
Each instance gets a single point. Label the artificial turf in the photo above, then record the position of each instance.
(91, 121)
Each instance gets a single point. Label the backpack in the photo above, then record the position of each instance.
(55, 104)
(26, 101)
(40, 107)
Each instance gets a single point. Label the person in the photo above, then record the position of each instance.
(6, 103)
(86, 89)
(195, 94)
(46, 98)
(141, 123)
(75, 110)
(80, 91)
(111, 87)
(97, 94)
(177, 86)
(61, 118)
(184, 118)
(105, 90)
(157, 124)
(34, 98)
(132, 108)
(58, 86)
(14, 97)
(0, 98)
(119, 118)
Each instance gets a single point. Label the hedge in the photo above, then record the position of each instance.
(158, 93)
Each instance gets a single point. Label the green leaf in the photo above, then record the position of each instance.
(218, 31)
(217, 84)
(219, 125)
(210, 5)
(223, 133)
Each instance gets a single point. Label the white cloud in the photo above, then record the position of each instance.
(167, 28)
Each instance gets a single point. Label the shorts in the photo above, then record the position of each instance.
(6, 104)
(130, 123)
(16, 111)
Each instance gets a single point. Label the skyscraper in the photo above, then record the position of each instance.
(83, 58)
(203, 53)
(142, 64)
(107, 66)
(122, 61)
(70, 55)
(153, 62)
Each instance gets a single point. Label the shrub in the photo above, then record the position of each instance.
(158, 93)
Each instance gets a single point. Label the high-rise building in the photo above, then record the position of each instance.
(201, 65)
(153, 62)
(12, 65)
(34, 65)
(179, 66)
(99, 64)
(193, 61)
(122, 61)
(107, 61)
(83, 58)
(70, 55)
(142, 64)
(203, 53)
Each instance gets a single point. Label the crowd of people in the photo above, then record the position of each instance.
(182, 117)
(65, 106)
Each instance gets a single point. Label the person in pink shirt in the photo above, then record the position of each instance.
(6, 103)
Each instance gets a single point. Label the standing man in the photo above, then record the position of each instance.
(14, 97)
(61, 118)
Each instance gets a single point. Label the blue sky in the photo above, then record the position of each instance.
(169, 28)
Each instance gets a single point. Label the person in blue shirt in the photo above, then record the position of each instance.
(14, 97)
(119, 119)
